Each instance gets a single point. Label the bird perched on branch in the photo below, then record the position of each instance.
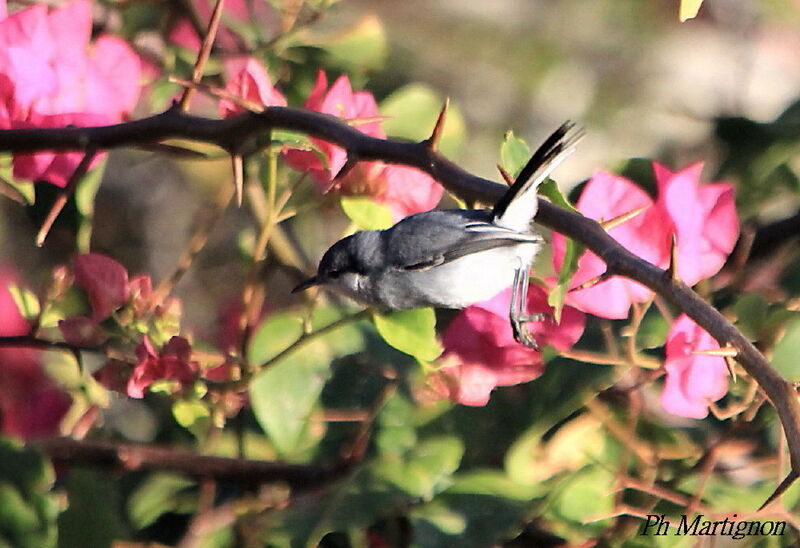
(451, 258)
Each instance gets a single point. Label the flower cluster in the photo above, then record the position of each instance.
(702, 221)
(51, 75)
(481, 353)
(701, 218)
(404, 190)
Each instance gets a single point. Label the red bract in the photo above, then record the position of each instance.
(31, 406)
(702, 218)
(692, 380)
(404, 190)
(105, 282)
(481, 353)
(172, 363)
(51, 76)
(245, 77)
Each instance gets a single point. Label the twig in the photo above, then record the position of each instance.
(140, 457)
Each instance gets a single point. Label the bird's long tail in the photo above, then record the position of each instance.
(517, 207)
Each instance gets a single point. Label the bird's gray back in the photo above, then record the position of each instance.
(420, 237)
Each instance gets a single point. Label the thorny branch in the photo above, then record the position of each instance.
(235, 135)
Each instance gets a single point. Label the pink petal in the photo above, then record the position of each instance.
(317, 94)
(409, 190)
(692, 380)
(113, 78)
(104, 280)
(704, 218)
(647, 235)
(245, 77)
(483, 354)
(11, 321)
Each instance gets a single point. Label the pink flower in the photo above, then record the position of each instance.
(31, 405)
(50, 76)
(183, 34)
(692, 380)
(105, 282)
(481, 353)
(703, 219)
(245, 77)
(173, 363)
(604, 197)
(404, 190)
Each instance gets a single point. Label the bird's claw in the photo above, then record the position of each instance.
(521, 333)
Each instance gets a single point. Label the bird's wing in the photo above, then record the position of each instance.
(433, 238)
(517, 207)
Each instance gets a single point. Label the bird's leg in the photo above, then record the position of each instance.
(517, 315)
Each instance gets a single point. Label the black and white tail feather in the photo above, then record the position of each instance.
(516, 209)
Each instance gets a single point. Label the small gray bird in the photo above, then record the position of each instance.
(451, 258)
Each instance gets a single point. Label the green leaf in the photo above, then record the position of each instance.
(514, 154)
(572, 252)
(92, 517)
(784, 356)
(751, 314)
(85, 194)
(157, 495)
(412, 111)
(286, 394)
(482, 508)
(689, 9)
(410, 331)
(585, 495)
(27, 303)
(363, 46)
(28, 509)
(424, 470)
(366, 213)
(189, 412)
(653, 330)
(284, 398)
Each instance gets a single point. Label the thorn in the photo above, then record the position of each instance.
(355, 122)
(63, 196)
(238, 177)
(731, 365)
(591, 282)
(7, 190)
(618, 220)
(727, 351)
(175, 150)
(432, 142)
(506, 175)
(220, 93)
(672, 269)
(342, 173)
(784, 485)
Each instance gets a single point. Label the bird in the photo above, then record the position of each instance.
(451, 258)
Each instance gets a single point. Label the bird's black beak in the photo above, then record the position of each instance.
(312, 281)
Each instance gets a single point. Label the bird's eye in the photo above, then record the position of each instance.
(334, 274)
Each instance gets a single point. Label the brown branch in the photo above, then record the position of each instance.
(232, 133)
(131, 457)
